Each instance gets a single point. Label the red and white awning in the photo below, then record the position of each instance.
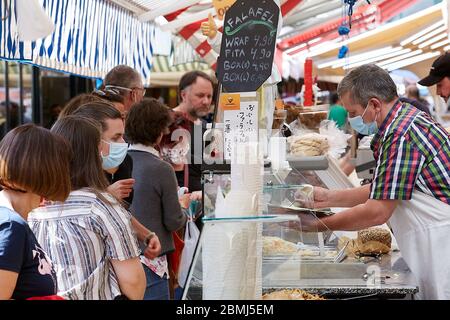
(309, 26)
(185, 17)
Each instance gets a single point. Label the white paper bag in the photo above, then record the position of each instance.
(191, 236)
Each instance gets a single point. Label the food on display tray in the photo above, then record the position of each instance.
(308, 145)
(277, 246)
(291, 294)
(373, 241)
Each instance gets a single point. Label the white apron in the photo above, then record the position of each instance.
(422, 229)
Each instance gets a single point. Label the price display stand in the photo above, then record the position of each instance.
(245, 63)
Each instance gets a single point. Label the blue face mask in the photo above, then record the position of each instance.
(117, 153)
(358, 124)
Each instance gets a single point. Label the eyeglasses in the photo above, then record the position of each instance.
(107, 91)
(109, 87)
(142, 89)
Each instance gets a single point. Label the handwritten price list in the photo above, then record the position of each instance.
(248, 45)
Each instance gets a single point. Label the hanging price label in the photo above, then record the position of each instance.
(279, 104)
(230, 101)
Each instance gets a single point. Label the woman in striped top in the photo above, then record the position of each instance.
(89, 236)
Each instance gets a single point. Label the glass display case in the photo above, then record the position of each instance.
(228, 261)
(245, 257)
(276, 247)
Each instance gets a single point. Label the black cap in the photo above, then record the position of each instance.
(439, 70)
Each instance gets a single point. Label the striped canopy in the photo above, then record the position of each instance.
(163, 64)
(90, 38)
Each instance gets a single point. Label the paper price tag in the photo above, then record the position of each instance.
(279, 105)
(240, 126)
(230, 101)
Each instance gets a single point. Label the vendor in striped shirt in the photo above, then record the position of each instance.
(411, 183)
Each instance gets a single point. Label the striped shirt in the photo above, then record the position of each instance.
(412, 153)
(81, 236)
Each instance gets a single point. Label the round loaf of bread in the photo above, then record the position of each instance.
(375, 234)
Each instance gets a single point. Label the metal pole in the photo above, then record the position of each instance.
(7, 110)
(73, 86)
(36, 96)
(21, 109)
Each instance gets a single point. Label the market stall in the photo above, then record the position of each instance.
(258, 241)
(332, 265)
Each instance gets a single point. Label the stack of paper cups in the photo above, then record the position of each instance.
(278, 152)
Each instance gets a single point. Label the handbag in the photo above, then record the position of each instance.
(191, 236)
(174, 257)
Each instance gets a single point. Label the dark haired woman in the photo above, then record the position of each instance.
(34, 163)
(89, 236)
(155, 202)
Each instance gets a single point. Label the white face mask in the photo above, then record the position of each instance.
(117, 153)
(358, 124)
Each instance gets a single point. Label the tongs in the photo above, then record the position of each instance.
(341, 254)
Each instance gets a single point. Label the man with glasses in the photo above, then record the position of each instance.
(128, 82)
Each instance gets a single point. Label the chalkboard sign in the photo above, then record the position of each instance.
(248, 45)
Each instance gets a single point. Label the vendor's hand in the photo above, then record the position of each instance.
(153, 249)
(308, 223)
(321, 198)
(196, 195)
(121, 189)
(185, 200)
(209, 28)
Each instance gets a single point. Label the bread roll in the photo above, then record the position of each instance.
(375, 234)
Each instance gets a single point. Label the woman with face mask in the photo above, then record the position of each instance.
(118, 166)
(115, 162)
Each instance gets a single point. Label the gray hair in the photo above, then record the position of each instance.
(367, 82)
(123, 76)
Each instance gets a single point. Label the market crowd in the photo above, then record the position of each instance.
(94, 208)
